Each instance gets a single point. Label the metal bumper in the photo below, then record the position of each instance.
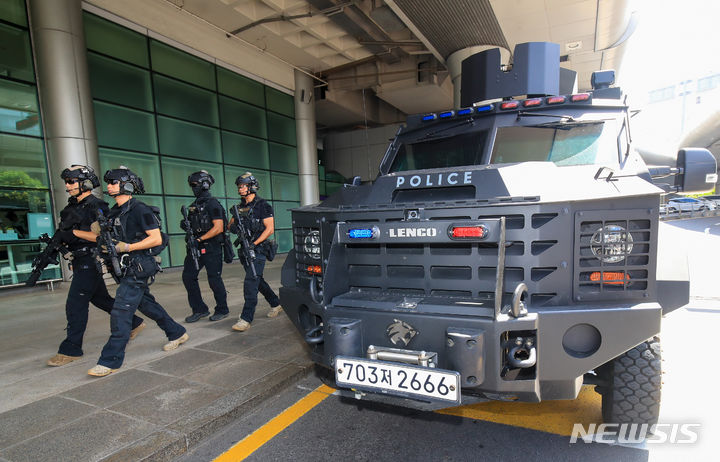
(567, 341)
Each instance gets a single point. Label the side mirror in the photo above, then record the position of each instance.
(699, 170)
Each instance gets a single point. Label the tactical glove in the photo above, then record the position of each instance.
(182, 225)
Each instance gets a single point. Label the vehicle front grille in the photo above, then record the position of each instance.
(467, 270)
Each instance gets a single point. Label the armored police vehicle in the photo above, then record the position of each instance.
(507, 250)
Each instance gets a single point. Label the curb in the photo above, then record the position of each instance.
(179, 437)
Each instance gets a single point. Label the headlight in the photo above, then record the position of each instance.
(312, 245)
(611, 243)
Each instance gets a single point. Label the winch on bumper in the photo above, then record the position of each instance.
(537, 356)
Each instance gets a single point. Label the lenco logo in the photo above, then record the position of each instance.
(412, 232)
(436, 179)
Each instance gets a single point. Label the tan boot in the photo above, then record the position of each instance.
(172, 344)
(134, 333)
(100, 371)
(241, 326)
(61, 359)
(274, 311)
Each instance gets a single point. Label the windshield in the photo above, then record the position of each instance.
(563, 144)
(454, 151)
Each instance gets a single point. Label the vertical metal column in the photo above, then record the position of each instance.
(306, 139)
(58, 41)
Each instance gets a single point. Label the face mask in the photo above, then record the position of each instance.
(197, 190)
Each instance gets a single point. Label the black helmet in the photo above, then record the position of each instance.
(248, 179)
(201, 178)
(84, 174)
(129, 182)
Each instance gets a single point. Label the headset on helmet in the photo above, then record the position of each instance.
(129, 182)
(201, 178)
(84, 174)
(248, 179)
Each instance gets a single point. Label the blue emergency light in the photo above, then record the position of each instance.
(360, 233)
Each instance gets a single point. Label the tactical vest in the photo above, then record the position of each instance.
(200, 220)
(254, 224)
(120, 225)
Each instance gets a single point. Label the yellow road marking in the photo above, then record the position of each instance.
(268, 431)
(548, 416)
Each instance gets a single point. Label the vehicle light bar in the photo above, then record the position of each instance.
(315, 269)
(509, 105)
(486, 108)
(429, 117)
(555, 100)
(610, 277)
(446, 114)
(532, 102)
(361, 233)
(465, 111)
(463, 232)
(580, 97)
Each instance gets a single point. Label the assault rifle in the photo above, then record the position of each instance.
(246, 253)
(105, 245)
(49, 255)
(192, 243)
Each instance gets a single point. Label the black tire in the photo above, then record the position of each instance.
(326, 376)
(633, 380)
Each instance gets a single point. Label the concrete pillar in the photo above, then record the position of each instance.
(58, 40)
(454, 65)
(306, 139)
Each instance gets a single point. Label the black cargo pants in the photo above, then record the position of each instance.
(87, 287)
(212, 260)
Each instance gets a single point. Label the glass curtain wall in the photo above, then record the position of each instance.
(165, 113)
(25, 210)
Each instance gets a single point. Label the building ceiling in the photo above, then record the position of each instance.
(380, 46)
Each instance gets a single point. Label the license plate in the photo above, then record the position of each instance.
(398, 379)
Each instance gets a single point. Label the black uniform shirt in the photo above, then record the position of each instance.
(260, 209)
(80, 215)
(137, 218)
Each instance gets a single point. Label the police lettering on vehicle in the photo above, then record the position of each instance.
(434, 179)
(412, 232)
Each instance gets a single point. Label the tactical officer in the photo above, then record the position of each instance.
(87, 283)
(207, 227)
(137, 239)
(257, 217)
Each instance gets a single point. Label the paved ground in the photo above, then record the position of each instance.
(159, 403)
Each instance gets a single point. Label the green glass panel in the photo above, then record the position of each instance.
(283, 217)
(175, 173)
(172, 205)
(281, 129)
(19, 109)
(240, 87)
(331, 187)
(245, 150)
(321, 185)
(185, 101)
(284, 239)
(146, 166)
(13, 11)
(243, 118)
(263, 177)
(321, 172)
(16, 58)
(22, 162)
(120, 83)
(285, 187)
(283, 158)
(185, 139)
(111, 39)
(280, 102)
(177, 250)
(16, 265)
(119, 127)
(175, 63)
